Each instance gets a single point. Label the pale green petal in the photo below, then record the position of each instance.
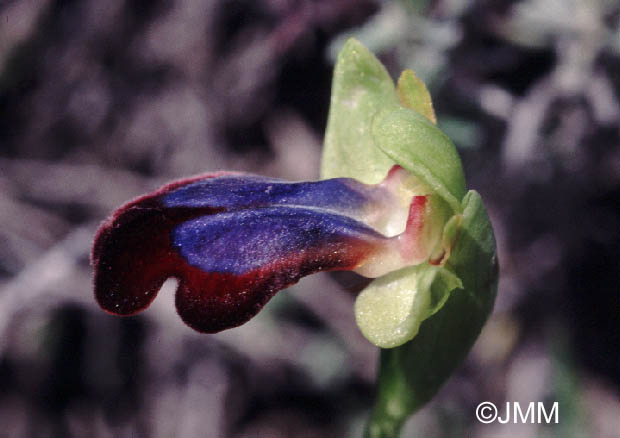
(414, 95)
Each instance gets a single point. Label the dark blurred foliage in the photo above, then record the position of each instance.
(102, 101)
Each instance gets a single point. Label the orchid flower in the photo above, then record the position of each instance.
(392, 206)
(233, 240)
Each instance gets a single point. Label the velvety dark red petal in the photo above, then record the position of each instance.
(229, 264)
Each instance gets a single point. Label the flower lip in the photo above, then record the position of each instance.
(233, 240)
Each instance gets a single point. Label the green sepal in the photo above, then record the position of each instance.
(368, 131)
(411, 374)
(391, 308)
(361, 87)
(417, 145)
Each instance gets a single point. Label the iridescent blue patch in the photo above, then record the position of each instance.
(242, 241)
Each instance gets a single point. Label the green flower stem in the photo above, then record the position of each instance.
(411, 374)
(428, 315)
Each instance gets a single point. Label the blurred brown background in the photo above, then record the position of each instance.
(103, 100)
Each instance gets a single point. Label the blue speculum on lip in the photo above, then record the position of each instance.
(234, 240)
(244, 241)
